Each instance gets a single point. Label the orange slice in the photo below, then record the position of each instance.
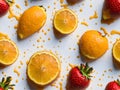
(43, 68)
(65, 21)
(31, 21)
(3, 36)
(8, 52)
(116, 53)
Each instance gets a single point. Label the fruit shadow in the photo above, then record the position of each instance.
(115, 64)
(18, 38)
(33, 86)
(84, 59)
(2, 66)
(57, 34)
(72, 2)
(69, 86)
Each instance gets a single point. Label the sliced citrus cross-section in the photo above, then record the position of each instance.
(43, 68)
(116, 53)
(65, 21)
(3, 36)
(8, 52)
(31, 21)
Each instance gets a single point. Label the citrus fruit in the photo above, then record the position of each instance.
(93, 45)
(43, 68)
(3, 36)
(8, 52)
(116, 53)
(65, 21)
(31, 21)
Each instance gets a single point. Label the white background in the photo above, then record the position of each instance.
(62, 48)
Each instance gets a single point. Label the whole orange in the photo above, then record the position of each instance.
(93, 45)
(31, 21)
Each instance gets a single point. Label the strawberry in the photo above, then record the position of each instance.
(80, 76)
(4, 6)
(111, 11)
(5, 84)
(1, 89)
(113, 6)
(113, 85)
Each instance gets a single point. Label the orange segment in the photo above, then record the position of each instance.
(31, 21)
(43, 68)
(8, 52)
(116, 52)
(65, 21)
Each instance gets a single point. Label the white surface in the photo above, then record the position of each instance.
(62, 48)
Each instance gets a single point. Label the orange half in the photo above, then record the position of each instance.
(43, 68)
(8, 52)
(116, 53)
(65, 21)
(3, 36)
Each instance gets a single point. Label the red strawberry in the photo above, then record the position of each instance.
(5, 84)
(114, 6)
(111, 11)
(4, 6)
(113, 85)
(80, 76)
(1, 89)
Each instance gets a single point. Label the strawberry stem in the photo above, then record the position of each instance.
(5, 83)
(86, 70)
(42, 7)
(9, 1)
(118, 81)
